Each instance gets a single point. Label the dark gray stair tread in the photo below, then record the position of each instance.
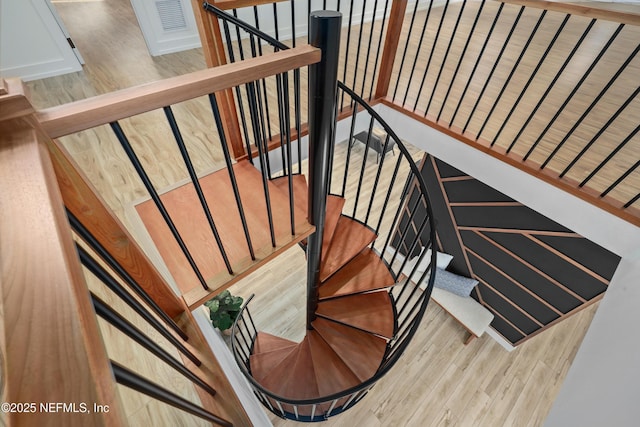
(366, 272)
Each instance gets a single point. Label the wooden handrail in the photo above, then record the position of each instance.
(237, 4)
(580, 10)
(88, 113)
(54, 351)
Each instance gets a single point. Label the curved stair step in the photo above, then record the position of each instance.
(266, 342)
(349, 239)
(366, 272)
(360, 351)
(371, 312)
(263, 363)
(302, 383)
(277, 378)
(332, 374)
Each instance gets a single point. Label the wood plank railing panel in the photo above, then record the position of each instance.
(54, 348)
(88, 113)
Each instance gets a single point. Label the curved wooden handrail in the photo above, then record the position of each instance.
(99, 110)
(581, 10)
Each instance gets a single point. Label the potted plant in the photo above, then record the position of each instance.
(223, 310)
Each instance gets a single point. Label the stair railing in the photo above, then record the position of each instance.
(120, 111)
(384, 191)
(56, 369)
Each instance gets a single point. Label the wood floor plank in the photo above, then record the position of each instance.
(350, 238)
(371, 312)
(366, 272)
(332, 374)
(360, 351)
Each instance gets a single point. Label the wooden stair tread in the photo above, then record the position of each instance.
(371, 312)
(360, 351)
(277, 379)
(332, 374)
(302, 383)
(300, 192)
(263, 363)
(366, 272)
(186, 211)
(332, 216)
(266, 342)
(349, 239)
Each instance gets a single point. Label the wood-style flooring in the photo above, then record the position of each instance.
(439, 381)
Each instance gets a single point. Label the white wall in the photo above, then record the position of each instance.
(603, 384)
(32, 45)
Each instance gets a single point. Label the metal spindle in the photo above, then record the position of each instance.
(494, 68)
(122, 324)
(379, 50)
(406, 46)
(477, 63)
(99, 272)
(446, 55)
(417, 53)
(624, 175)
(196, 184)
(575, 89)
(588, 110)
(349, 145)
(512, 72)
(377, 178)
(597, 135)
(366, 61)
(232, 177)
(433, 49)
(97, 247)
(156, 199)
(363, 167)
(346, 55)
(388, 196)
(359, 45)
(136, 382)
(460, 58)
(553, 82)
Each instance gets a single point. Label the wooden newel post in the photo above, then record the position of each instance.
(324, 33)
(396, 18)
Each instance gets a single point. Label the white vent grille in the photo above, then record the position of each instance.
(171, 15)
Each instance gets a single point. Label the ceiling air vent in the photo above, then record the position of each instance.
(171, 15)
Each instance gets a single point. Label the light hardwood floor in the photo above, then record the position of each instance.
(438, 382)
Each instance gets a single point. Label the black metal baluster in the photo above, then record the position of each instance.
(281, 107)
(296, 100)
(346, 54)
(263, 142)
(366, 61)
(494, 68)
(475, 66)
(287, 129)
(196, 184)
(293, 22)
(136, 382)
(623, 176)
(349, 145)
(363, 167)
(264, 106)
(156, 199)
(553, 82)
(406, 46)
(632, 201)
(512, 72)
(355, 67)
(232, 177)
(377, 178)
(587, 111)
(460, 58)
(417, 54)
(433, 49)
(446, 55)
(575, 89)
(388, 196)
(97, 247)
(615, 150)
(126, 327)
(101, 274)
(375, 63)
(243, 117)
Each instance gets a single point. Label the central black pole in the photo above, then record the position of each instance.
(324, 33)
